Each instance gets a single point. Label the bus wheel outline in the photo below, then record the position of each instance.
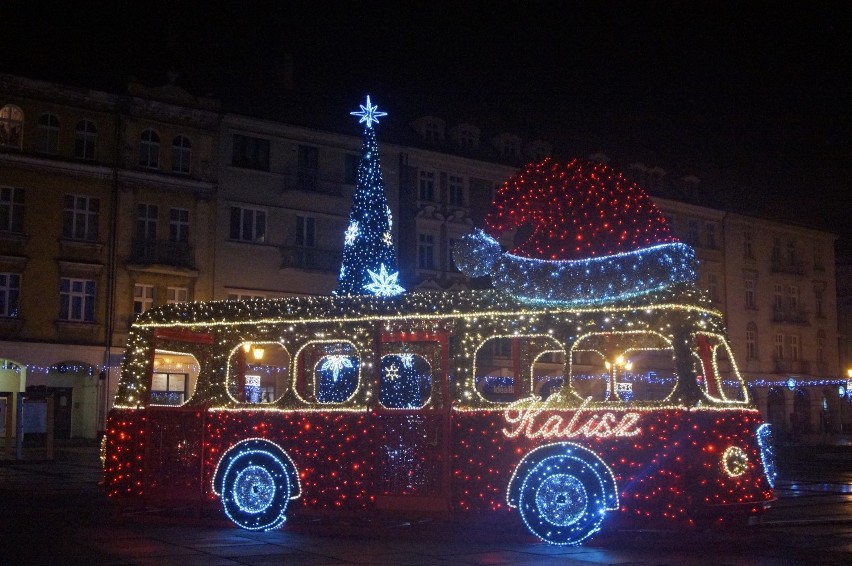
(561, 500)
(256, 490)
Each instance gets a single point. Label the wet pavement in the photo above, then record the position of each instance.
(55, 513)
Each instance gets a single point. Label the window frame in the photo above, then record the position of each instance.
(149, 149)
(257, 236)
(89, 218)
(48, 134)
(85, 296)
(10, 294)
(181, 155)
(143, 297)
(178, 226)
(12, 209)
(11, 126)
(85, 140)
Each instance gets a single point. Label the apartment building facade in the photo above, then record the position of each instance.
(106, 208)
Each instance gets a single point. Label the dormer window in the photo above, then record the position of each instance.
(538, 150)
(433, 132)
(430, 128)
(466, 136)
(509, 145)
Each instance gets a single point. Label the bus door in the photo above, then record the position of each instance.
(174, 432)
(413, 422)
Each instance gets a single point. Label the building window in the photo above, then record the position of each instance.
(776, 249)
(305, 231)
(146, 221)
(468, 139)
(455, 189)
(250, 153)
(181, 154)
(427, 186)
(11, 126)
(778, 296)
(179, 225)
(76, 300)
(80, 217)
(692, 236)
(779, 346)
(710, 235)
(793, 297)
(750, 296)
(85, 139)
(713, 287)
(149, 149)
(794, 348)
(12, 209)
(308, 161)
(819, 262)
(791, 252)
(426, 251)
(751, 341)
(308, 157)
(351, 162)
(48, 134)
(143, 298)
(433, 132)
(248, 224)
(748, 245)
(451, 264)
(819, 303)
(821, 345)
(176, 295)
(10, 290)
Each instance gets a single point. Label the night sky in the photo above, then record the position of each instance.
(753, 98)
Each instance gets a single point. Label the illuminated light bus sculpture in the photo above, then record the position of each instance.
(571, 416)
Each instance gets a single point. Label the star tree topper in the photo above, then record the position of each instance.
(368, 113)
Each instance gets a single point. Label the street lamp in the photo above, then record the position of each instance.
(620, 363)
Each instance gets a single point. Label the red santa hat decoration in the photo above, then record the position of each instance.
(595, 237)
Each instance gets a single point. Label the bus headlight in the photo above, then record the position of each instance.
(734, 461)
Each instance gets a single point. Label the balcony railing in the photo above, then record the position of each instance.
(790, 267)
(299, 257)
(163, 252)
(791, 316)
(309, 180)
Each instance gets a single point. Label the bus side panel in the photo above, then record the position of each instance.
(718, 482)
(669, 472)
(124, 465)
(334, 452)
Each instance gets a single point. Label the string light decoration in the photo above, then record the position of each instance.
(417, 420)
(767, 452)
(369, 258)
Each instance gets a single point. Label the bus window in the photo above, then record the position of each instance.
(548, 371)
(718, 374)
(623, 366)
(406, 381)
(328, 372)
(173, 379)
(258, 372)
(509, 368)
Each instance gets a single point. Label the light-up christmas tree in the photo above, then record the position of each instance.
(369, 258)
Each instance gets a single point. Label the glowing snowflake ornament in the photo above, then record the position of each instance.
(369, 113)
(351, 233)
(335, 364)
(384, 284)
(407, 360)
